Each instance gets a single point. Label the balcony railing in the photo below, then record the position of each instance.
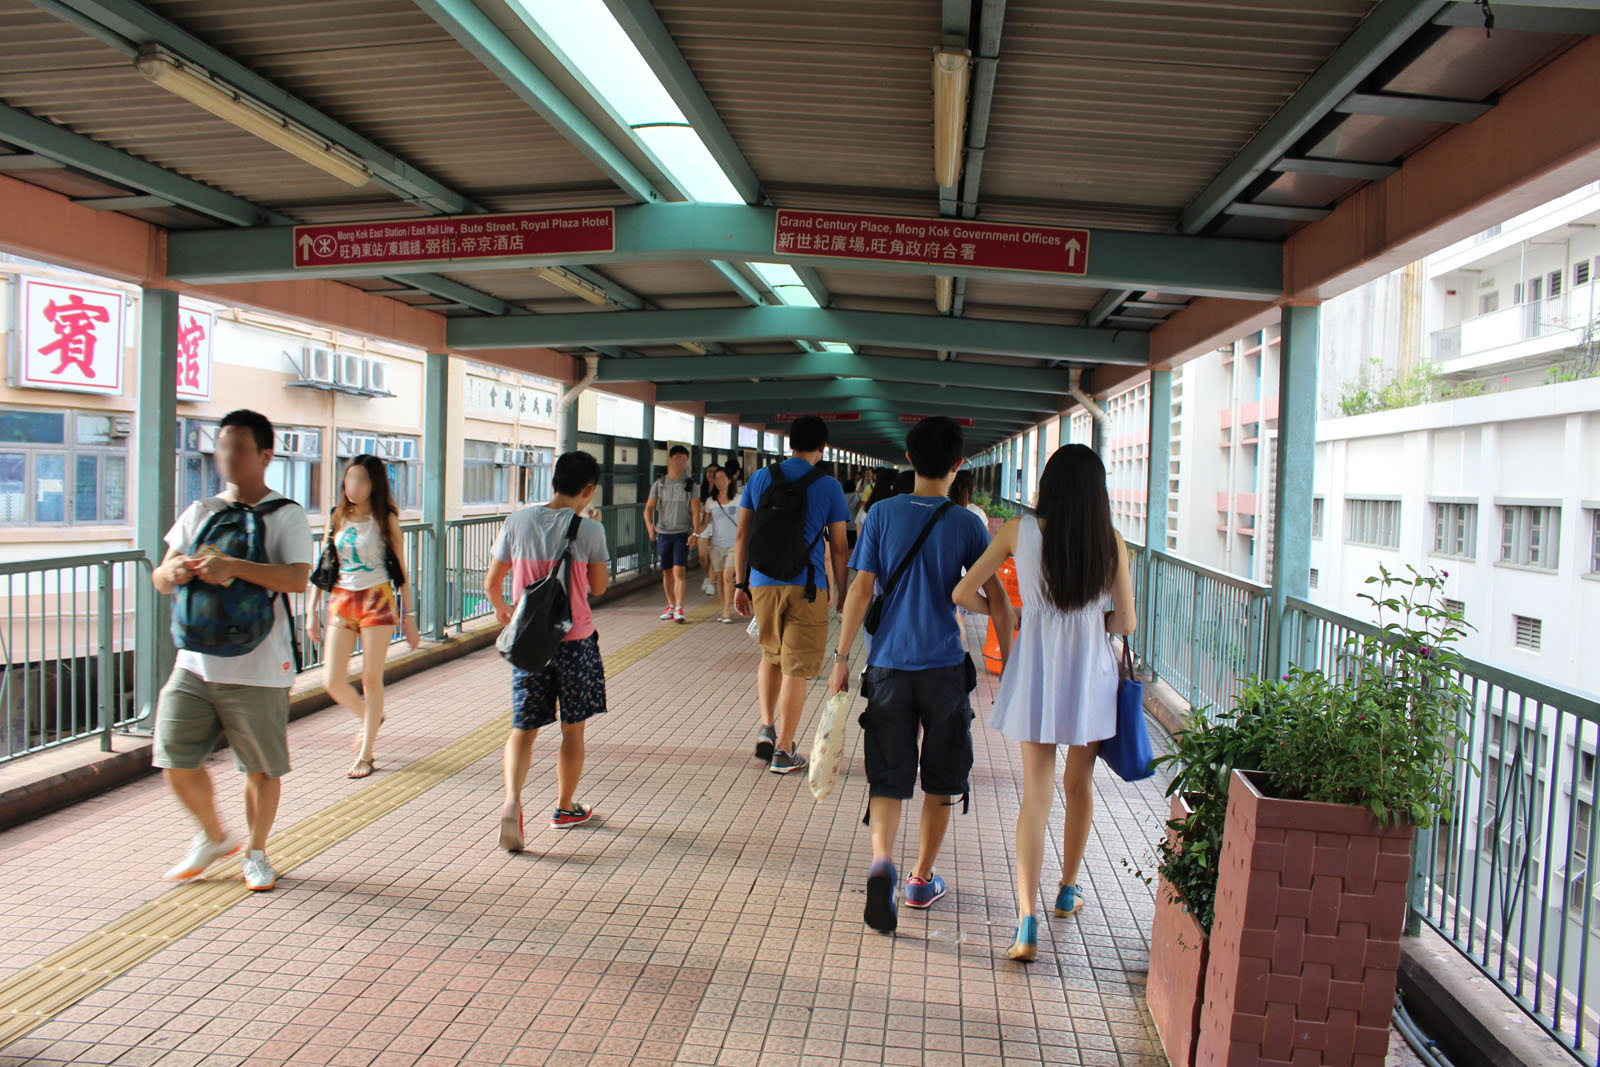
(67, 633)
(1567, 314)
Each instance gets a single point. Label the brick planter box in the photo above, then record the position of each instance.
(1306, 942)
(1178, 954)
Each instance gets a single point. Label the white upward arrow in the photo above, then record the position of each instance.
(1073, 248)
(305, 245)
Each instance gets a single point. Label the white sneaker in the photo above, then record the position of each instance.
(677, 614)
(666, 616)
(258, 872)
(202, 854)
(708, 587)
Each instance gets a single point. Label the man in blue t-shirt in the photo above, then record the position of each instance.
(792, 618)
(918, 675)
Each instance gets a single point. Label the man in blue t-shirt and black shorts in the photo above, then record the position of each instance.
(918, 677)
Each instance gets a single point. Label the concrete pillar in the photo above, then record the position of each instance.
(156, 450)
(1297, 457)
(433, 582)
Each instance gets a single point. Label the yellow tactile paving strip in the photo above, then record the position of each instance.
(37, 994)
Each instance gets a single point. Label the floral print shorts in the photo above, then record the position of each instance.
(356, 609)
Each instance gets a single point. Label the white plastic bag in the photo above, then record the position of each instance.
(753, 630)
(827, 748)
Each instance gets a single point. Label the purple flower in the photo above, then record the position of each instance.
(1446, 574)
(1424, 651)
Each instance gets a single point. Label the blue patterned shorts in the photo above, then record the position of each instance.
(575, 677)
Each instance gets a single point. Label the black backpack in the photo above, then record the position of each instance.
(544, 614)
(232, 619)
(778, 546)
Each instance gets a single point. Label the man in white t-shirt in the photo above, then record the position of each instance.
(243, 696)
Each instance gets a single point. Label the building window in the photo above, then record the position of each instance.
(487, 476)
(295, 470)
(1530, 536)
(1315, 577)
(63, 468)
(1375, 523)
(1489, 303)
(1580, 273)
(1316, 516)
(1594, 541)
(1455, 607)
(1455, 530)
(401, 458)
(537, 466)
(1527, 632)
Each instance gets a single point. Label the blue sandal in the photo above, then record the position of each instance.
(1069, 901)
(1026, 946)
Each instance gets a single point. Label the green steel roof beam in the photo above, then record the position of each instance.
(1528, 16)
(479, 35)
(985, 64)
(739, 283)
(881, 417)
(85, 154)
(649, 34)
(1173, 263)
(1389, 25)
(835, 364)
(464, 295)
(930, 332)
(139, 25)
(841, 391)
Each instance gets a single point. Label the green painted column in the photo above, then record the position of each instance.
(1158, 473)
(1041, 453)
(646, 468)
(698, 452)
(1297, 456)
(156, 450)
(435, 445)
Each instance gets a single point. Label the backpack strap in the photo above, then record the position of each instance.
(261, 511)
(899, 572)
(566, 551)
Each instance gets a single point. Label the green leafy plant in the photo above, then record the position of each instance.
(982, 498)
(1375, 731)
(1000, 511)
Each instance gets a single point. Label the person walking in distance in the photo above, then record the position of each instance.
(529, 547)
(721, 530)
(671, 515)
(708, 489)
(364, 540)
(790, 517)
(230, 559)
(911, 553)
(1060, 687)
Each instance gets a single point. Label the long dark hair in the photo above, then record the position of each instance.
(1079, 553)
(961, 489)
(381, 501)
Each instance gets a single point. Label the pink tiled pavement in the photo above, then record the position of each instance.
(711, 914)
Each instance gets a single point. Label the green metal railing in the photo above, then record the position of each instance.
(1505, 875)
(68, 637)
(1203, 631)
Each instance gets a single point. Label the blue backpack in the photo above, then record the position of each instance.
(230, 620)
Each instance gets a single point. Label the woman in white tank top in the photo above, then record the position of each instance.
(364, 532)
(1059, 686)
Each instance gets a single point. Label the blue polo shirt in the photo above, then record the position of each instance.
(824, 506)
(919, 629)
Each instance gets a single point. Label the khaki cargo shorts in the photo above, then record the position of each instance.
(794, 631)
(193, 713)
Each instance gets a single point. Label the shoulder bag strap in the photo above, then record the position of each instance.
(899, 572)
(566, 551)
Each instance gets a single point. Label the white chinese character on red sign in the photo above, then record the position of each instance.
(74, 324)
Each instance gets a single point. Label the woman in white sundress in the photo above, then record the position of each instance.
(1060, 686)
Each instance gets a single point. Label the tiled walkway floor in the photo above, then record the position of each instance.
(711, 914)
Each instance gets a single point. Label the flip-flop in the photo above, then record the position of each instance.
(511, 831)
(360, 763)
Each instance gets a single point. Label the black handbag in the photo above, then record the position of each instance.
(875, 612)
(544, 614)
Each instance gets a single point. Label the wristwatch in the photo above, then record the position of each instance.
(743, 587)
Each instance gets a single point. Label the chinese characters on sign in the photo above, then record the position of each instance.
(825, 416)
(195, 329)
(70, 337)
(934, 242)
(958, 420)
(536, 233)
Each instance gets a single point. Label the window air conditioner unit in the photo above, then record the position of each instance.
(507, 456)
(378, 377)
(208, 438)
(316, 365)
(288, 443)
(121, 426)
(352, 370)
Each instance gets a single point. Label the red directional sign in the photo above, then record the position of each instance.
(959, 421)
(934, 242)
(825, 416)
(455, 237)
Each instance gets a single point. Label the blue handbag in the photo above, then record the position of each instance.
(1129, 752)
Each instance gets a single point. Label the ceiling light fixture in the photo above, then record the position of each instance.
(952, 70)
(944, 293)
(202, 89)
(582, 288)
(693, 346)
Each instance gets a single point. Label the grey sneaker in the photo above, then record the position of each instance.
(258, 872)
(203, 852)
(766, 741)
(787, 762)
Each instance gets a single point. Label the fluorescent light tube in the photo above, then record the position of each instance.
(562, 278)
(951, 71)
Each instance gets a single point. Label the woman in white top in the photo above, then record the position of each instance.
(364, 532)
(1060, 685)
(961, 491)
(721, 512)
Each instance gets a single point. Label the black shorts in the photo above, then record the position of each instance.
(899, 705)
(575, 677)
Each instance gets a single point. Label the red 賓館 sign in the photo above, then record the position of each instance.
(934, 242)
(455, 237)
(69, 337)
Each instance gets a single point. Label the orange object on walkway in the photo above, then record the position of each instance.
(991, 646)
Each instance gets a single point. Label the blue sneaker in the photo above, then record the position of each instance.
(882, 881)
(1069, 901)
(922, 893)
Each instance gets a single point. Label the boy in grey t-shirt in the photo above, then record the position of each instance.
(671, 516)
